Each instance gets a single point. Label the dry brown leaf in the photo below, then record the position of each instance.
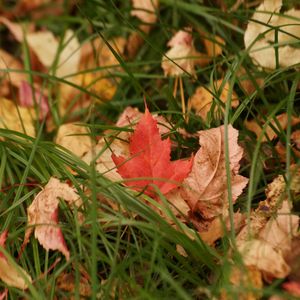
(68, 283)
(271, 133)
(16, 118)
(12, 274)
(43, 215)
(145, 10)
(75, 138)
(47, 48)
(294, 146)
(260, 39)
(203, 99)
(213, 45)
(8, 62)
(266, 240)
(94, 54)
(248, 84)
(264, 257)
(246, 280)
(180, 59)
(205, 189)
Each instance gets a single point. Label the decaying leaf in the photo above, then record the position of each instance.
(277, 124)
(268, 28)
(180, 59)
(294, 146)
(74, 138)
(12, 274)
(43, 215)
(149, 160)
(266, 240)
(16, 118)
(205, 189)
(68, 283)
(203, 99)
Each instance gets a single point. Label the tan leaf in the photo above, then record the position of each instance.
(272, 127)
(267, 259)
(8, 62)
(213, 44)
(47, 48)
(16, 118)
(203, 99)
(43, 215)
(181, 57)
(260, 37)
(205, 189)
(145, 10)
(294, 146)
(12, 274)
(74, 138)
(266, 240)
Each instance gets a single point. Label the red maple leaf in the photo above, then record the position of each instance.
(150, 160)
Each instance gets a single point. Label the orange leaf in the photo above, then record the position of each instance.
(150, 159)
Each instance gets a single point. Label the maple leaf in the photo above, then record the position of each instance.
(43, 215)
(205, 189)
(11, 274)
(150, 159)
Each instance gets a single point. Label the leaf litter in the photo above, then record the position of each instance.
(137, 153)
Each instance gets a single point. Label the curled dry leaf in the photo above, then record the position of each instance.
(149, 160)
(43, 215)
(205, 189)
(12, 274)
(180, 59)
(260, 36)
(203, 99)
(75, 138)
(277, 124)
(16, 118)
(267, 239)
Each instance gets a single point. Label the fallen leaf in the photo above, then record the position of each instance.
(16, 118)
(75, 138)
(68, 283)
(43, 215)
(205, 189)
(48, 50)
(277, 124)
(260, 36)
(203, 99)
(12, 274)
(294, 146)
(29, 96)
(180, 59)
(266, 239)
(150, 160)
(9, 63)
(145, 10)
(262, 255)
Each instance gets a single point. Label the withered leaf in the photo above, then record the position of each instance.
(43, 215)
(205, 189)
